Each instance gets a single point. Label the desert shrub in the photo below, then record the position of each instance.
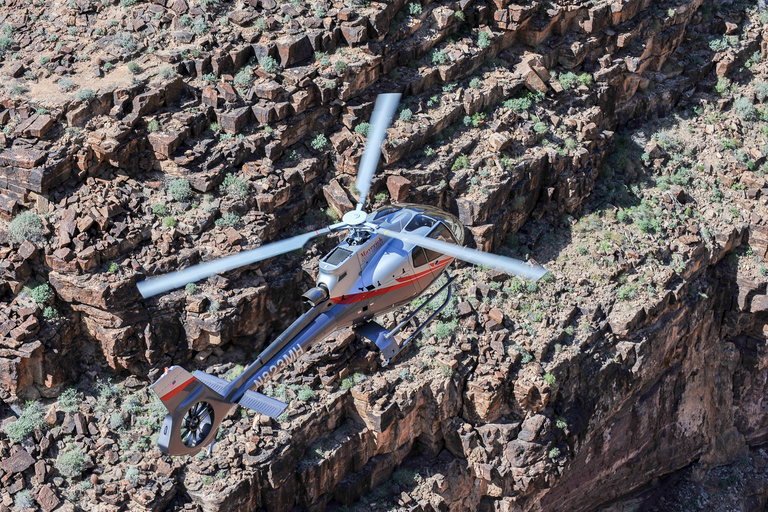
(228, 219)
(115, 420)
(406, 114)
(26, 226)
(414, 8)
(42, 293)
(585, 79)
(125, 41)
(169, 222)
(50, 313)
(540, 128)
(159, 209)
(133, 67)
(180, 189)
(30, 418)
(341, 66)
(745, 109)
(23, 499)
(306, 394)
(475, 83)
(443, 330)
(234, 186)
(483, 39)
(554, 453)
(363, 129)
(199, 26)
(761, 91)
(68, 400)
(5, 43)
(85, 94)
(167, 72)
(71, 463)
(153, 126)
(243, 77)
(190, 289)
(567, 80)
(462, 162)
(268, 64)
(439, 57)
(132, 475)
(518, 104)
(66, 84)
(319, 142)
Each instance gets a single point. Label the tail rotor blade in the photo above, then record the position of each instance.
(181, 278)
(511, 265)
(386, 104)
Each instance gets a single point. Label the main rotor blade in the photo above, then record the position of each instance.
(386, 104)
(513, 266)
(194, 273)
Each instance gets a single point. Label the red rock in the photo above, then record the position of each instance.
(354, 35)
(235, 120)
(398, 187)
(15, 70)
(267, 89)
(64, 254)
(233, 236)
(210, 96)
(47, 499)
(294, 49)
(165, 143)
(27, 250)
(17, 462)
(337, 198)
(22, 157)
(496, 315)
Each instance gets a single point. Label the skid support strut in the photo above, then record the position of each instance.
(385, 339)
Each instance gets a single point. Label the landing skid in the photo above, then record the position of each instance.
(385, 339)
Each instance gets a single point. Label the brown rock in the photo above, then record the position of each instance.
(17, 462)
(242, 18)
(496, 315)
(294, 49)
(47, 499)
(27, 250)
(233, 236)
(22, 157)
(235, 120)
(15, 70)
(227, 92)
(267, 89)
(398, 187)
(337, 198)
(210, 96)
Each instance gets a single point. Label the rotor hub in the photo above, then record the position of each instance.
(354, 218)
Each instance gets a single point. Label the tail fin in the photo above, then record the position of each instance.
(196, 407)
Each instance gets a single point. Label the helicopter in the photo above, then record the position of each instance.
(388, 257)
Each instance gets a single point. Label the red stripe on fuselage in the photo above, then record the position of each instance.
(402, 281)
(176, 390)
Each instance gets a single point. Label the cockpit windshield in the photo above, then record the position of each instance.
(397, 217)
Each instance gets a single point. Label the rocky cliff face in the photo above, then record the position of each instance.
(619, 144)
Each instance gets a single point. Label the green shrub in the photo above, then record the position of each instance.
(190, 289)
(319, 142)
(540, 128)
(627, 292)
(153, 126)
(85, 94)
(554, 453)
(133, 67)
(115, 420)
(69, 400)
(71, 463)
(532, 286)
(42, 293)
(50, 312)
(108, 66)
(475, 83)
(180, 189)
(159, 209)
(169, 222)
(406, 114)
(306, 394)
(132, 475)
(5, 43)
(745, 109)
(549, 378)
(31, 417)
(585, 79)
(719, 45)
(363, 129)
(243, 77)
(483, 39)
(462, 162)
(167, 72)
(341, 66)
(439, 57)
(443, 330)
(23, 499)
(567, 80)
(228, 219)
(235, 186)
(761, 91)
(26, 226)
(268, 64)
(518, 104)
(414, 8)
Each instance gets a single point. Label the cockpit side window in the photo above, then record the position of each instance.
(419, 257)
(439, 233)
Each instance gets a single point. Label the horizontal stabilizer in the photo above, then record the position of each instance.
(262, 404)
(216, 384)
